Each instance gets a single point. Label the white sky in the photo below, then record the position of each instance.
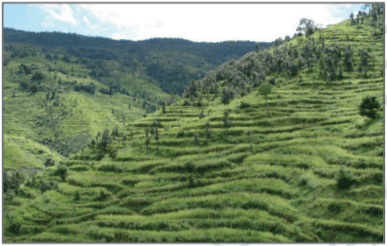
(197, 22)
(210, 22)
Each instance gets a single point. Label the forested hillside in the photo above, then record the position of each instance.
(61, 90)
(281, 145)
(169, 63)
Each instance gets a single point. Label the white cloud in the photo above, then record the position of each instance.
(60, 12)
(86, 20)
(209, 22)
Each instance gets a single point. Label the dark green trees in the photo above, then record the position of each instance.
(369, 107)
(228, 95)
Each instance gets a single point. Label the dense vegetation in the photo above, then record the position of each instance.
(62, 89)
(298, 157)
(169, 63)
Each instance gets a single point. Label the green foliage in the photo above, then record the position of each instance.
(265, 89)
(369, 107)
(227, 95)
(61, 171)
(344, 179)
(12, 181)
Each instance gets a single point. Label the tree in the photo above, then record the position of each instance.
(226, 121)
(367, 5)
(201, 115)
(265, 89)
(163, 105)
(351, 16)
(105, 140)
(348, 60)
(38, 76)
(34, 87)
(208, 132)
(305, 25)
(369, 107)
(147, 142)
(257, 46)
(157, 137)
(227, 95)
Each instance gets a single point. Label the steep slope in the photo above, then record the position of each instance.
(262, 178)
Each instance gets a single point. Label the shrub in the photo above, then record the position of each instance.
(369, 107)
(77, 196)
(344, 179)
(244, 105)
(49, 162)
(13, 181)
(34, 87)
(24, 85)
(334, 207)
(47, 186)
(189, 166)
(304, 180)
(61, 171)
(201, 115)
(38, 76)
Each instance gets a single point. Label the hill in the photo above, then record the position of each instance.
(169, 63)
(97, 82)
(228, 164)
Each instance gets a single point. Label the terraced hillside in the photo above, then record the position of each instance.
(57, 120)
(312, 171)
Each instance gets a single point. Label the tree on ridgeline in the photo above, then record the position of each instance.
(351, 16)
(307, 26)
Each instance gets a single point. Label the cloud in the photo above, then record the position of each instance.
(86, 20)
(60, 12)
(209, 22)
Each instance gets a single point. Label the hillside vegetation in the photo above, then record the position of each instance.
(232, 162)
(169, 63)
(61, 90)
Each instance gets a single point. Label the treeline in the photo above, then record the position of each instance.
(170, 63)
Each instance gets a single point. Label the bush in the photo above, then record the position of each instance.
(24, 85)
(34, 87)
(344, 179)
(12, 181)
(47, 186)
(61, 170)
(38, 76)
(189, 166)
(244, 105)
(369, 107)
(49, 162)
(334, 207)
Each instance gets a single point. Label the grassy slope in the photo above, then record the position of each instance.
(27, 118)
(272, 179)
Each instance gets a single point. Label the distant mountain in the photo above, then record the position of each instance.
(171, 63)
